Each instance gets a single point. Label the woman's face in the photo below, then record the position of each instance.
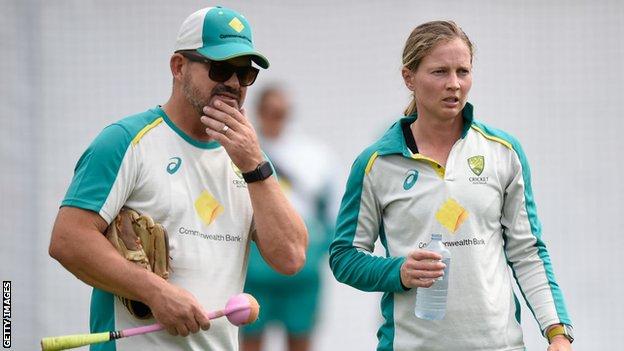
(442, 80)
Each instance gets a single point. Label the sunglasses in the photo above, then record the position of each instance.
(221, 71)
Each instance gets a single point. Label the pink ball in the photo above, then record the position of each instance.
(242, 309)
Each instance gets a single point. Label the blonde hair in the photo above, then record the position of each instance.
(423, 39)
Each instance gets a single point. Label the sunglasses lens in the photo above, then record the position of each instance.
(247, 75)
(220, 72)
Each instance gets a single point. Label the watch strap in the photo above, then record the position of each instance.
(558, 329)
(262, 172)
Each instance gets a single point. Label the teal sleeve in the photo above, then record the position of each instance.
(324, 215)
(354, 264)
(97, 169)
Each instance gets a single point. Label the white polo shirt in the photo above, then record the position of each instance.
(483, 205)
(194, 190)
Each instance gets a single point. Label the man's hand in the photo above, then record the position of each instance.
(421, 268)
(559, 343)
(79, 244)
(232, 129)
(178, 310)
(280, 234)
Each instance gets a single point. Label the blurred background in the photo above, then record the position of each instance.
(549, 72)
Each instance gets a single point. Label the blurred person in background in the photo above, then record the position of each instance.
(195, 166)
(306, 172)
(438, 170)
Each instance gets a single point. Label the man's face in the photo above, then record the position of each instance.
(273, 114)
(201, 91)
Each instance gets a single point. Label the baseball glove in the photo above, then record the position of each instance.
(145, 243)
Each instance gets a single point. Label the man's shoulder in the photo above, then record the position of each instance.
(134, 124)
(129, 128)
(118, 135)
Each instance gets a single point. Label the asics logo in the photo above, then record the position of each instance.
(410, 180)
(174, 165)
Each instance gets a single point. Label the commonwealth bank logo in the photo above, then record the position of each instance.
(208, 208)
(451, 215)
(237, 25)
(476, 164)
(410, 180)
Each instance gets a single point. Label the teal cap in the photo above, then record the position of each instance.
(219, 34)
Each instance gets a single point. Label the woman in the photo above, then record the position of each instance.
(437, 170)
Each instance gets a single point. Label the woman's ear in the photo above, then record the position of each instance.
(408, 78)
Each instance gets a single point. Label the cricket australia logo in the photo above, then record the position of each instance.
(477, 165)
(410, 180)
(238, 182)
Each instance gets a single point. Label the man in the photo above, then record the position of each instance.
(305, 170)
(194, 165)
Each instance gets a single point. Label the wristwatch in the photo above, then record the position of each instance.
(262, 172)
(560, 329)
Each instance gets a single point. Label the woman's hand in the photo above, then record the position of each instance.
(421, 268)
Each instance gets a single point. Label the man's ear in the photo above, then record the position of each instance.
(176, 63)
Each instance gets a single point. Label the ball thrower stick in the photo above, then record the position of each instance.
(240, 309)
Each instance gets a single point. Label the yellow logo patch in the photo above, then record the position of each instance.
(237, 25)
(208, 208)
(451, 215)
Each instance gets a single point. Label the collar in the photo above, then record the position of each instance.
(393, 141)
(197, 143)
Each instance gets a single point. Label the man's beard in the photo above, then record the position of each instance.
(194, 96)
(198, 101)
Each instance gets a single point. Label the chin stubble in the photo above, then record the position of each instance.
(193, 96)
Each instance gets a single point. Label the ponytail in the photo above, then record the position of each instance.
(411, 108)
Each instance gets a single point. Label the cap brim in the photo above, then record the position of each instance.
(231, 50)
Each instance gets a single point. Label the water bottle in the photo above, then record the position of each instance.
(431, 302)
